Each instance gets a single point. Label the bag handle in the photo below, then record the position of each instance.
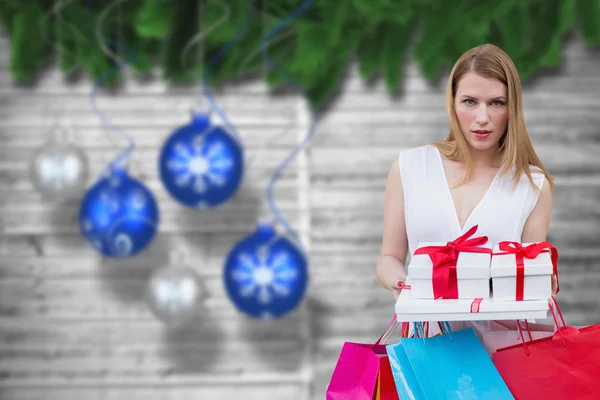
(389, 330)
(523, 337)
(421, 329)
(405, 330)
(564, 325)
(553, 305)
(562, 319)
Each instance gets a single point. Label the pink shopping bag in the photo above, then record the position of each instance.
(355, 374)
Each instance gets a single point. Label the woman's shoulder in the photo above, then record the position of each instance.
(537, 175)
(534, 169)
(418, 151)
(411, 161)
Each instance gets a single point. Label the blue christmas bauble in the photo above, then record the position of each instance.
(265, 275)
(201, 165)
(118, 215)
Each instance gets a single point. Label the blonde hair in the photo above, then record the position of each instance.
(490, 61)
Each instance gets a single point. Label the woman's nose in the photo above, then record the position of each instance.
(481, 116)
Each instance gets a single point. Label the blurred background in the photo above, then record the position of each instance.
(80, 319)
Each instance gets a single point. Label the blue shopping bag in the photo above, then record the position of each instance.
(451, 366)
(407, 383)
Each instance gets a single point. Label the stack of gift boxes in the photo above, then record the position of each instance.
(477, 270)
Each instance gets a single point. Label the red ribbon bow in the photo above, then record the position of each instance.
(530, 252)
(444, 258)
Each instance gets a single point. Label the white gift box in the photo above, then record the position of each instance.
(472, 271)
(410, 309)
(537, 283)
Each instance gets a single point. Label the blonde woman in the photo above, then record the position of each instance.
(485, 173)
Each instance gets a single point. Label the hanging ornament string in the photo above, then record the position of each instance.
(102, 39)
(121, 63)
(56, 11)
(258, 155)
(206, 71)
(266, 275)
(118, 215)
(123, 157)
(60, 124)
(200, 36)
(117, 60)
(258, 50)
(201, 163)
(306, 140)
(58, 170)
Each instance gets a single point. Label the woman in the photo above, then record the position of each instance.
(484, 173)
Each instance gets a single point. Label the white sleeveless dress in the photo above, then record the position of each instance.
(430, 214)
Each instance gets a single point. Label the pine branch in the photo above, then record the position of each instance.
(154, 19)
(316, 53)
(396, 40)
(90, 39)
(370, 49)
(588, 14)
(68, 60)
(177, 66)
(29, 50)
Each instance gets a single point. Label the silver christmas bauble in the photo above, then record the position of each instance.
(59, 171)
(175, 294)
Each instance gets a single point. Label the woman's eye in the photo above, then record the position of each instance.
(497, 103)
(469, 101)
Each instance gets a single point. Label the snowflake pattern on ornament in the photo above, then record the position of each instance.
(200, 166)
(59, 171)
(264, 280)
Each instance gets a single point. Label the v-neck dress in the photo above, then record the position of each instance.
(430, 214)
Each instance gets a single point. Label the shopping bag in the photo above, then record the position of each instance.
(386, 388)
(407, 384)
(454, 365)
(496, 339)
(562, 366)
(356, 373)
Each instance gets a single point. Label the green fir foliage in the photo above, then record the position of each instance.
(315, 50)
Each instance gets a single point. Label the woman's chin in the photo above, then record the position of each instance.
(482, 144)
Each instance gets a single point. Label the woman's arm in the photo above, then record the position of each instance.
(390, 270)
(536, 226)
(536, 230)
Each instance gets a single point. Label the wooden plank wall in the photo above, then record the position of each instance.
(74, 326)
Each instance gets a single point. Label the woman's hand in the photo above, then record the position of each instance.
(397, 283)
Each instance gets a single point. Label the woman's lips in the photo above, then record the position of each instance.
(481, 134)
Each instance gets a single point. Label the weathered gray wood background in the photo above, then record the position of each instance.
(74, 326)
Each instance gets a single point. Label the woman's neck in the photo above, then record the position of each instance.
(489, 158)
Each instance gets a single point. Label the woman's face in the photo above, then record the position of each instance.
(481, 109)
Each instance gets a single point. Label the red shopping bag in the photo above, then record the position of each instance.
(563, 366)
(503, 338)
(358, 371)
(386, 389)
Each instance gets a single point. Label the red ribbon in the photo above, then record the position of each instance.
(476, 304)
(530, 252)
(444, 258)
